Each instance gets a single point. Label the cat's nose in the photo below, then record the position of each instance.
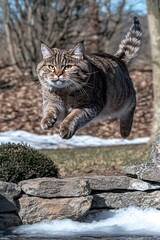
(58, 72)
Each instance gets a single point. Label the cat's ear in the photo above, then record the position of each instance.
(78, 51)
(46, 51)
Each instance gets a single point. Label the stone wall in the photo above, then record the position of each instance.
(50, 198)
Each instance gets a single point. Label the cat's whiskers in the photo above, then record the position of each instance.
(87, 84)
(90, 73)
(77, 85)
(73, 84)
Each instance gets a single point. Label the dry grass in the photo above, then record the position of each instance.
(97, 160)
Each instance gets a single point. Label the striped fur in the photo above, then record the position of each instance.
(79, 88)
(131, 44)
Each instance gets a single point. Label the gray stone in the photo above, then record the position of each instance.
(8, 193)
(7, 205)
(9, 220)
(54, 187)
(149, 171)
(155, 150)
(109, 183)
(10, 189)
(35, 209)
(138, 184)
(134, 170)
(127, 199)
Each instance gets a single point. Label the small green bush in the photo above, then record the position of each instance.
(20, 162)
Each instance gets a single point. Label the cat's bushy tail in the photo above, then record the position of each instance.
(131, 44)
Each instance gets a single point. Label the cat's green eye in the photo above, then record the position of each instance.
(51, 67)
(67, 67)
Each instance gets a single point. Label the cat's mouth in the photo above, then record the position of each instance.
(58, 83)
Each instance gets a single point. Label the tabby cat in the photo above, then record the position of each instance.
(78, 88)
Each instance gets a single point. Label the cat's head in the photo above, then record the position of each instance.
(63, 69)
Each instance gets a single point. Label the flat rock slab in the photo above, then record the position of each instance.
(54, 187)
(109, 183)
(127, 199)
(8, 193)
(151, 172)
(148, 172)
(155, 150)
(35, 209)
(134, 169)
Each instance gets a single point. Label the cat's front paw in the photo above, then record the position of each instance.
(48, 122)
(66, 131)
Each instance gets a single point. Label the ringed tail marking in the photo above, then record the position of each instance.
(131, 44)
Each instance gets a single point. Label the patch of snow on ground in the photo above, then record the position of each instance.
(128, 221)
(55, 141)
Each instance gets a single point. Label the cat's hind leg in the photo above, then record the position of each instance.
(126, 123)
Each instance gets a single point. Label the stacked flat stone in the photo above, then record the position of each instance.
(33, 200)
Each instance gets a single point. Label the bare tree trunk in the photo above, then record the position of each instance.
(94, 33)
(6, 14)
(154, 28)
(111, 21)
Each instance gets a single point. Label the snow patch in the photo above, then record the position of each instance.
(128, 221)
(55, 141)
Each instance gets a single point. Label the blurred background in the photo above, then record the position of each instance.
(102, 24)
